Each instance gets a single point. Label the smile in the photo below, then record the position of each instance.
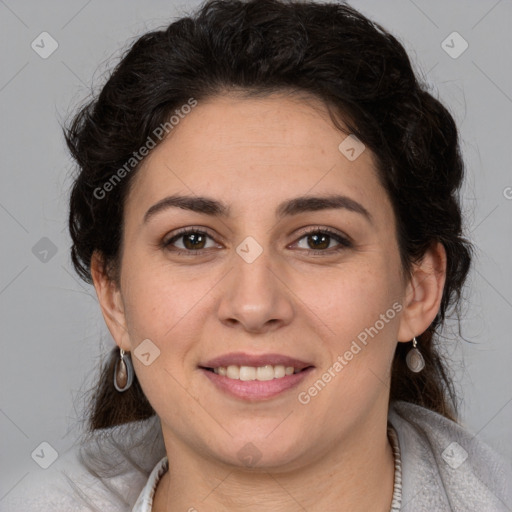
(261, 373)
(253, 389)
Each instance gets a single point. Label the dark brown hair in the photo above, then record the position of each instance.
(326, 50)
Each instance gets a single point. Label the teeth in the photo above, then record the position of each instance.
(233, 372)
(267, 372)
(247, 373)
(279, 371)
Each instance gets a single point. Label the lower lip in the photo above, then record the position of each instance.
(256, 389)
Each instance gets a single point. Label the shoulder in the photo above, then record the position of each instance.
(107, 472)
(446, 467)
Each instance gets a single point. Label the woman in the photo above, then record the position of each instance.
(267, 206)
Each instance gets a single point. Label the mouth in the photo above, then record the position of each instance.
(260, 373)
(255, 377)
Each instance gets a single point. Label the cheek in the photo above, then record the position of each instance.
(167, 308)
(361, 314)
(154, 302)
(161, 310)
(350, 299)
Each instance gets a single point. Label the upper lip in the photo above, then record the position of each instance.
(243, 359)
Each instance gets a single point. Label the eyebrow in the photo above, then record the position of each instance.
(302, 204)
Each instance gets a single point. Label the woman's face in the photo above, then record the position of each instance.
(249, 281)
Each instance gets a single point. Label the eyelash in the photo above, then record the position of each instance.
(342, 240)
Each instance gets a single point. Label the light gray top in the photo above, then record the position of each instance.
(444, 468)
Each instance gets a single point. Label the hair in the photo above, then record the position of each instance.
(325, 50)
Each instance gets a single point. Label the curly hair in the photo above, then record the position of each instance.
(327, 50)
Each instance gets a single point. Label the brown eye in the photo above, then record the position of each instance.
(321, 240)
(188, 241)
(318, 241)
(194, 241)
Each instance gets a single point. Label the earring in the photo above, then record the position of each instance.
(123, 372)
(414, 359)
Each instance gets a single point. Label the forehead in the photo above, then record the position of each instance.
(274, 125)
(252, 150)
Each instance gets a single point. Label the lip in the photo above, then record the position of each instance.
(255, 390)
(244, 359)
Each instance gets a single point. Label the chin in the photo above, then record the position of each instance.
(260, 452)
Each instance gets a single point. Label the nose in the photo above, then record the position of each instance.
(255, 296)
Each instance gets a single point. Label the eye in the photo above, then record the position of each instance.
(192, 241)
(319, 240)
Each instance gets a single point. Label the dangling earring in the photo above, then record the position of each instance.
(123, 372)
(414, 359)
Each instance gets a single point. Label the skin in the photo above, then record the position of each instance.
(252, 154)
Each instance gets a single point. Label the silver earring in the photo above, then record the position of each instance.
(414, 359)
(123, 372)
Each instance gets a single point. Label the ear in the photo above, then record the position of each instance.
(424, 293)
(110, 299)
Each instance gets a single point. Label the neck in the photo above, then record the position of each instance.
(356, 476)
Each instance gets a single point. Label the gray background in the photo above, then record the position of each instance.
(53, 334)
